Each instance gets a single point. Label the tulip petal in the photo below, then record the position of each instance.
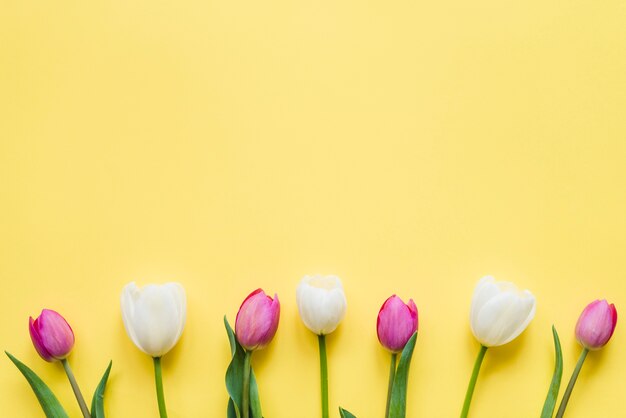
(37, 342)
(485, 290)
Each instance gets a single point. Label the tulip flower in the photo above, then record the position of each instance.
(52, 336)
(154, 318)
(594, 329)
(257, 320)
(395, 325)
(499, 313)
(255, 326)
(596, 324)
(322, 305)
(53, 339)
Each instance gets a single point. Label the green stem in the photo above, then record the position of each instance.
(323, 375)
(472, 383)
(158, 377)
(245, 401)
(392, 375)
(572, 381)
(76, 389)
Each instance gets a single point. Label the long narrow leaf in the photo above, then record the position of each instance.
(234, 379)
(397, 409)
(553, 391)
(49, 403)
(232, 411)
(345, 414)
(97, 402)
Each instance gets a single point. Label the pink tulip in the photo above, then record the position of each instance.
(396, 323)
(257, 320)
(52, 336)
(596, 324)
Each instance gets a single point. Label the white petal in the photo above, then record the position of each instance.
(129, 295)
(486, 288)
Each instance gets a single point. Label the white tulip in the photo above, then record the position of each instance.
(500, 312)
(321, 303)
(154, 316)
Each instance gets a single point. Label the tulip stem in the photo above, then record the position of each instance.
(323, 375)
(245, 402)
(75, 388)
(158, 377)
(392, 375)
(572, 381)
(472, 383)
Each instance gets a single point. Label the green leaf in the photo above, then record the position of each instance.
(49, 403)
(345, 414)
(97, 402)
(234, 379)
(397, 408)
(232, 411)
(255, 401)
(553, 391)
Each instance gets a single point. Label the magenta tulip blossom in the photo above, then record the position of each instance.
(396, 323)
(257, 320)
(596, 324)
(52, 336)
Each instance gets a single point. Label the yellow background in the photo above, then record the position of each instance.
(409, 147)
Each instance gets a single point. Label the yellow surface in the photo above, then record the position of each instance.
(409, 147)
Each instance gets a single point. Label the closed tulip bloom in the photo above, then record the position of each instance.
(397, 322)
(257, 320)
(154, 316)
(596, 324)
(321, 303)
(499, 311)
(52, 336)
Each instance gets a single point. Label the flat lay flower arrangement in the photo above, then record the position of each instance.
(154, 318)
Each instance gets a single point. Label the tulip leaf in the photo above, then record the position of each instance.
(234, 380)
(49, 403)
(553, 391)
(397, 409)
(345, 414)
(232, 411)
(97, 402)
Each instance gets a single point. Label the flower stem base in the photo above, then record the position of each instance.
(158, 378)
(472, 383)
(76, 389)
(570, 385)
(323, 375)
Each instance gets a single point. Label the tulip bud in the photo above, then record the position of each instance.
(396, 323)
(257, 320)
(500, 312)
(154, 317)
(596, 324)
(52, 336)
(321, 303)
